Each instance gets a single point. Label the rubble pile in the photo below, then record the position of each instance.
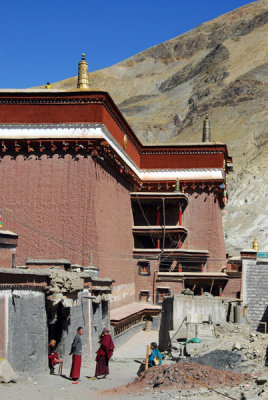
(236, 345)
(219, 359)
(178, 375)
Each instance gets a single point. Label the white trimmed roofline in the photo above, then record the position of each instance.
(99, 131)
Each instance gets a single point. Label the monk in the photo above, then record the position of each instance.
(104, 354)
(76, 351)
(53, 357)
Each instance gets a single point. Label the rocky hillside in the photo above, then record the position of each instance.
(219, 68)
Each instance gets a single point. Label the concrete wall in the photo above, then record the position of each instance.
(25, 329)
(176, 308)
(254, 291)
(72, 206)
(184, 305)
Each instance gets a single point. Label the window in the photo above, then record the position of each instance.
(144, 295)
(161, 293)
(144, 268)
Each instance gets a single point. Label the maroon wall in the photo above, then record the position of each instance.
(66, 207)
(203, 220)
(232, 288)
(6, 258)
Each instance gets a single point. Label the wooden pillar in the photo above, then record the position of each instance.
(158, 216)
(202, 291)
(220, 290)
(180, 267)
(180, 215)
(158, 223)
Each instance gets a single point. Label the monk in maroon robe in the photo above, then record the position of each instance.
(104, 354)
(53, 357)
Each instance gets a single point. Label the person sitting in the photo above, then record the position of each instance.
(53, 357)
(155, 357)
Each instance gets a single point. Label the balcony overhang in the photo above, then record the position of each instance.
(175, 254)
(158, 230)
(170, 197)
(199, 275)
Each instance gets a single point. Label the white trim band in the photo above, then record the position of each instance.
(99, 131)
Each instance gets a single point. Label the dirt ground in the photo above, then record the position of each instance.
(160, 383)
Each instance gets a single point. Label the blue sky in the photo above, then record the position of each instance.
(42, 41)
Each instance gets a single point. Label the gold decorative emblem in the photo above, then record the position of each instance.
(125, 142)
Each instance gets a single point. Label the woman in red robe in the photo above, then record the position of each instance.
(104, 354)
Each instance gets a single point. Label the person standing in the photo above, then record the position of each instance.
(76, 351)
(104, 354)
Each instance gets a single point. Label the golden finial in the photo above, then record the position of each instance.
(83, 78)
(206, 130)
(255, 244)
(125, 142)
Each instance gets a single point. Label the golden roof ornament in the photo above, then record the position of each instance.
(83, 78)
(125, 142)
(206, 130)
(255, 244)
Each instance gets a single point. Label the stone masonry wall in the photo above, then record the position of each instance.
(255, 294)
(26, 333)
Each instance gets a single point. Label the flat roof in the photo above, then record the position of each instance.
(129, 309)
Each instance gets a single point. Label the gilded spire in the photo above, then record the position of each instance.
(83, 78)
(255, 244)
(206, 130)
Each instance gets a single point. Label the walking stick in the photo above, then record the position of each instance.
(147, 358)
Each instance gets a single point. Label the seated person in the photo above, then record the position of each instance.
(53, 357)
(155, 357)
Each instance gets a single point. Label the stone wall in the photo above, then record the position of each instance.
(24, 326)
(255, 293)
(24, 331)
(99, 319)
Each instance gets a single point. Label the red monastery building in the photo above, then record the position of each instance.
(76, 183)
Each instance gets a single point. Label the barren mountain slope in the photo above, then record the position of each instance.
(219, 68)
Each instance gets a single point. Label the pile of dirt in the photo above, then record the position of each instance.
(185, 375)
(219, 359)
